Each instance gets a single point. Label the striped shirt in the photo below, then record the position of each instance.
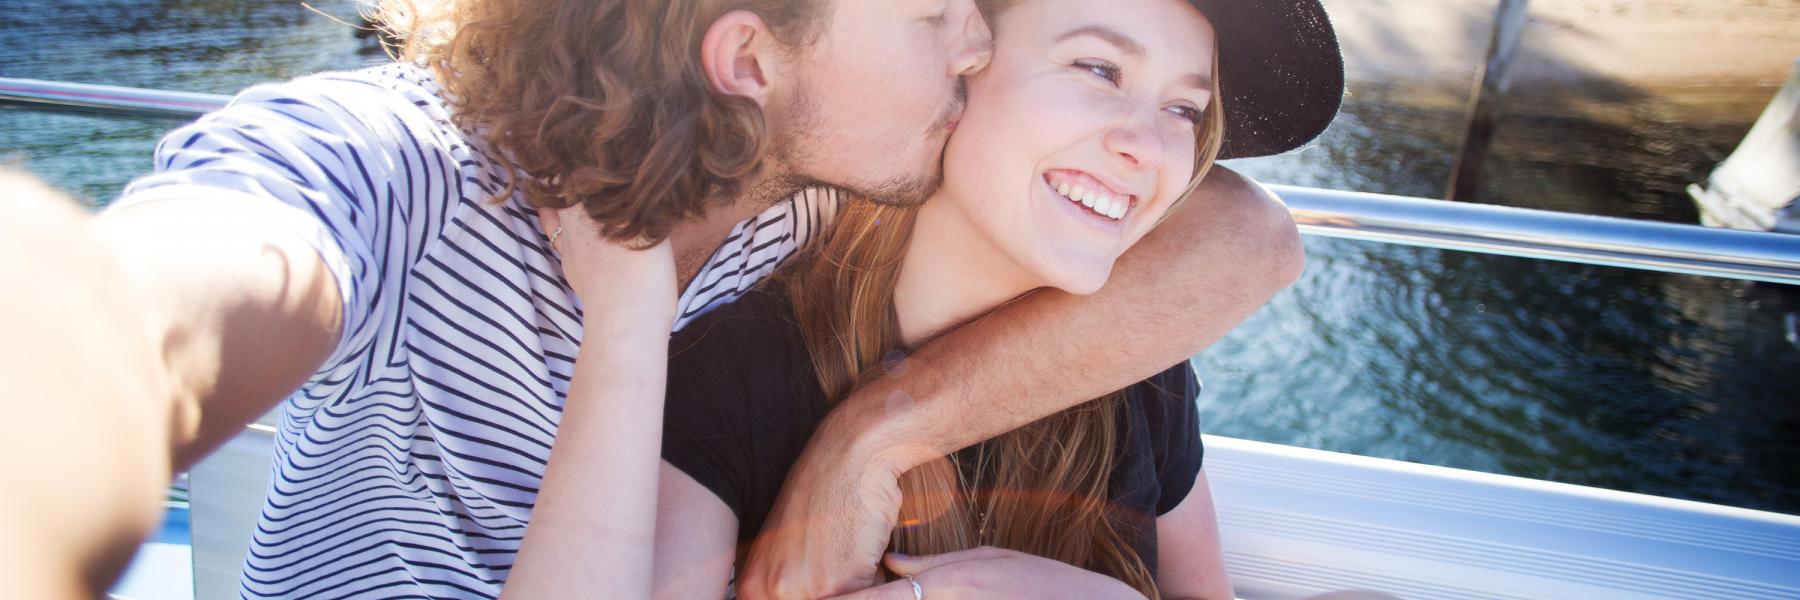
(408, 464)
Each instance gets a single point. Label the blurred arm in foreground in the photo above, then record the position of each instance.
(205, 304)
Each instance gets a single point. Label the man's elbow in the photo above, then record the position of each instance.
(1257, 225)
(1283, 254)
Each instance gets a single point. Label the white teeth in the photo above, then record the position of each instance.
(1107, 205)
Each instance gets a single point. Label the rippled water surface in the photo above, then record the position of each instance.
(1670, 385)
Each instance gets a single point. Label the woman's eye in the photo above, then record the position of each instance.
(1101, 69)
(1191, 114)
(938, 20)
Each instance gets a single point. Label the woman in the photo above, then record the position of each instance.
(1092, 122)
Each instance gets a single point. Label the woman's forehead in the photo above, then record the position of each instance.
(1158, 29)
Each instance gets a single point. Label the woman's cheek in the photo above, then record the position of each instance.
(1062, 118)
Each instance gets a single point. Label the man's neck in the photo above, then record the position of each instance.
(695, 240)
(951, 274)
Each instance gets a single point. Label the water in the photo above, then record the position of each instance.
(216, 46)
(1670, 385)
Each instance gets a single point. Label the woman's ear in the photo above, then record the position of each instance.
(735, 56)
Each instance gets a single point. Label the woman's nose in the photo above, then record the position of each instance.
(1138, 142)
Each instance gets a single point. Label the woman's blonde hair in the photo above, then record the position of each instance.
(1044, 486)
(599, 102)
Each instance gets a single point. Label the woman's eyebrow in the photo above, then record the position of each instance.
(1124, 43)
(1106, 34)
(1198, 81)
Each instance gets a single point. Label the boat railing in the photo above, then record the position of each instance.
(1479, 228)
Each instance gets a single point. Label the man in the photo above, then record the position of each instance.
(351, 243)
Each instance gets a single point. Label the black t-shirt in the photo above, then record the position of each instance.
(743, 401)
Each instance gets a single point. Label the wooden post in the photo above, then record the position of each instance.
(1490, 90)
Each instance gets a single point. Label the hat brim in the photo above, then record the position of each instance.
(1280, 71)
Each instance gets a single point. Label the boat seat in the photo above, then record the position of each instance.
(225, 496)
(1298, 523)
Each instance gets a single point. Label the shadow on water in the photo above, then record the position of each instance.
(1663, 384)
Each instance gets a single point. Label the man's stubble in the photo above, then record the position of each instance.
(796, 157)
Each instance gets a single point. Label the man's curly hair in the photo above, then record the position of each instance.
(599, 102)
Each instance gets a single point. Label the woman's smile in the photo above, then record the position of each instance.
(1108, 229)
(1090, 192)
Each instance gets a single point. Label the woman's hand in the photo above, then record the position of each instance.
(594, 524)
(989, 572)
(620, 285)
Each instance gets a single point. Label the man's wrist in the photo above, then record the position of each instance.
(877, 424)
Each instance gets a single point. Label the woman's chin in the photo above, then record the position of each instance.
(1080, 282)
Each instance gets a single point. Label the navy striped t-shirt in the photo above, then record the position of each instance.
(408, 463)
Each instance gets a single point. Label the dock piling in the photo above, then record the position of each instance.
(1510, 19)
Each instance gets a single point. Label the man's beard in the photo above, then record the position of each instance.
(794, 149)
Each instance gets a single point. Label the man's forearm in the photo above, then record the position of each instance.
(1213, 263)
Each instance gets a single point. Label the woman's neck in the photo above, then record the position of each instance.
(951, 274)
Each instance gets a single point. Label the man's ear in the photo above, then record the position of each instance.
(735, 56)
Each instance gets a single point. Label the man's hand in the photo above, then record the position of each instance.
(87, 428)
(988, 572)
(829, 539)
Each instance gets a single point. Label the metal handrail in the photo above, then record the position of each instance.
(1541, 234)
(1480, 228)
(108, 99)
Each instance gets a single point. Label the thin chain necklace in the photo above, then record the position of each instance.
(976, 506)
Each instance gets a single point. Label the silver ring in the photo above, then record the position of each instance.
(918, 592)
(553, 235)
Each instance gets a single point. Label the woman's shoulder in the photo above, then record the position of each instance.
(1166, 409)
(749, 348)
(1175, 388)
(760, 317)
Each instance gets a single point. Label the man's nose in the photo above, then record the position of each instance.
(975, 47)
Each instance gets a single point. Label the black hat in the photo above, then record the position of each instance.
(1280, 71)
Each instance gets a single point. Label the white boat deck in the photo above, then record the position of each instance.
(1295, 523)
(1298, 522)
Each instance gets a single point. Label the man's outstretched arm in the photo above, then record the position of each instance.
(132, 345)
(1220, 257)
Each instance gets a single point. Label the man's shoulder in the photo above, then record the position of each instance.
(389, 89)
(405, 79)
